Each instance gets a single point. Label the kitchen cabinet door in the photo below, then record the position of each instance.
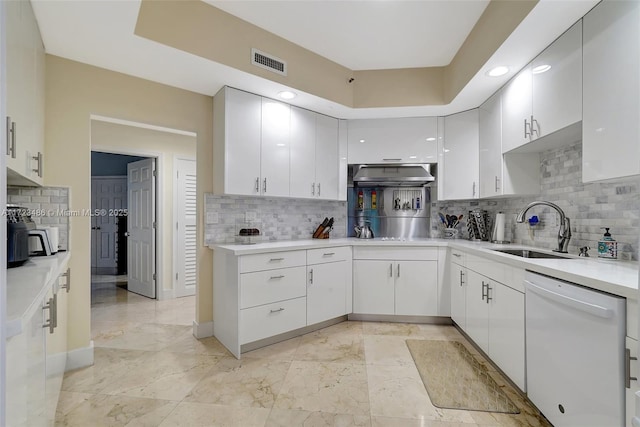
(557, 91)
(303, 153)
(458, 295)
(506, 331)
(274, 159)
(401, 140)
(373, 287)
(56, 359)
(327, 159)
(416, 288)
(25, 93)
(477, 310)
(241, 124)
(490, 147)
(460, 173)
(611, 73)
(516, 111)
(327, 286)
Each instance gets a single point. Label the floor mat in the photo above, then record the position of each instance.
(454, 379)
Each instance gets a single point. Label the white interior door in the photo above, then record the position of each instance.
(141, 228)
(108, 198)
(185, 211)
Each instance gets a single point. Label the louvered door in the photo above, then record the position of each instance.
(185, 268)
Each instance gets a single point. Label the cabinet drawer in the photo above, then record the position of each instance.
(396, 253)
(272, 261)
(268, 320)
(458, 257)
(512, 277)
(264, 287)
(320, 256)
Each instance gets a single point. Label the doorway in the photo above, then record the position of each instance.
(123, 253)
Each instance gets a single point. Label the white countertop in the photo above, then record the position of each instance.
(28, 284)
(613, 276)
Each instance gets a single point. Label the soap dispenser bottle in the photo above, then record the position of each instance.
(607, 246)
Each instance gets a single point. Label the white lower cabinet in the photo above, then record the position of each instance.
(632, 379)
(272, 319)
(492, 315)
(328, 284)
(398, 286)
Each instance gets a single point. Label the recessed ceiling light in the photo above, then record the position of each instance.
(431, 138)
(362, 140)
(541, 68)
(281, 144)
(413, 157)
(498, 71)
(287, 94)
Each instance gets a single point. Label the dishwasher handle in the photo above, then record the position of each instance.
(587, 307)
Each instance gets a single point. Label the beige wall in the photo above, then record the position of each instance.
(134, 140)
(74, 92)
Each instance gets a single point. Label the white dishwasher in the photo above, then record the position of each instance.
(575, 346)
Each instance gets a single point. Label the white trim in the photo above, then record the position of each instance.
(80, 358)
(159, 156)
(105, 119)
(202, 330)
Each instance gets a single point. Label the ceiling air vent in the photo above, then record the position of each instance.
(268, 62)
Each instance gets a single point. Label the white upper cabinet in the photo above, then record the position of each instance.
(503, 174)
(237, 134)
(25, 94)
(546, 96)
(314, 155)
(303, 152)
(459, 172)
(274, 164)
(610, 126)
(264, 147)
(403, 140)
(327, 158)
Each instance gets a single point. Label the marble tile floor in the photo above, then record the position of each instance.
(150, 371)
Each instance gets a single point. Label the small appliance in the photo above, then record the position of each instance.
(17, 236)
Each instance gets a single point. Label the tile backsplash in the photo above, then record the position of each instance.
(590, 206)
(278, 219)
(49, 203)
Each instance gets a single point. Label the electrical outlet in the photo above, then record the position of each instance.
(625, 256)
(212, 217)
(250, 216)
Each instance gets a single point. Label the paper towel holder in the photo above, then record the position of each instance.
(498, 223)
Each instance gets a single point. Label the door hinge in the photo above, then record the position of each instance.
(176, 225)
(154, 276)
(176, 276)
(154, 172)
(154, 224)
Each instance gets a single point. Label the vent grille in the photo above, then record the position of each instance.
(268, 62)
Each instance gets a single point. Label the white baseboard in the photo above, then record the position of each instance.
(80, 357)
(202, 330)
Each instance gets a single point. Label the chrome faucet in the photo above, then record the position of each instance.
(564, 232)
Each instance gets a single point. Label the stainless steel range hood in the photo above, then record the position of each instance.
(414, 175)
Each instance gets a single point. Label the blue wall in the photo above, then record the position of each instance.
(107, 164)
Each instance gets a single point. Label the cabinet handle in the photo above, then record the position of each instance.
(488, 297)
(277, 311)
(258, 185)
(38, 158)
(536, 129)
(391, 160)
(67, 285)
(461, 275)
(313, 189)
(51, 324)
(318, 189)
(474, 189)
(276, 259)
(483, 295)
(398, 271)
(264, 186)
(276, 277)
(311, 276)
(627, 368)
(456, 255)
(391, 270)
(14, 137)
(11, 138)
(526, 134)
(328, 254)
(497, 186)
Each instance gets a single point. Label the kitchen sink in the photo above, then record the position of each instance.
(526, 253)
